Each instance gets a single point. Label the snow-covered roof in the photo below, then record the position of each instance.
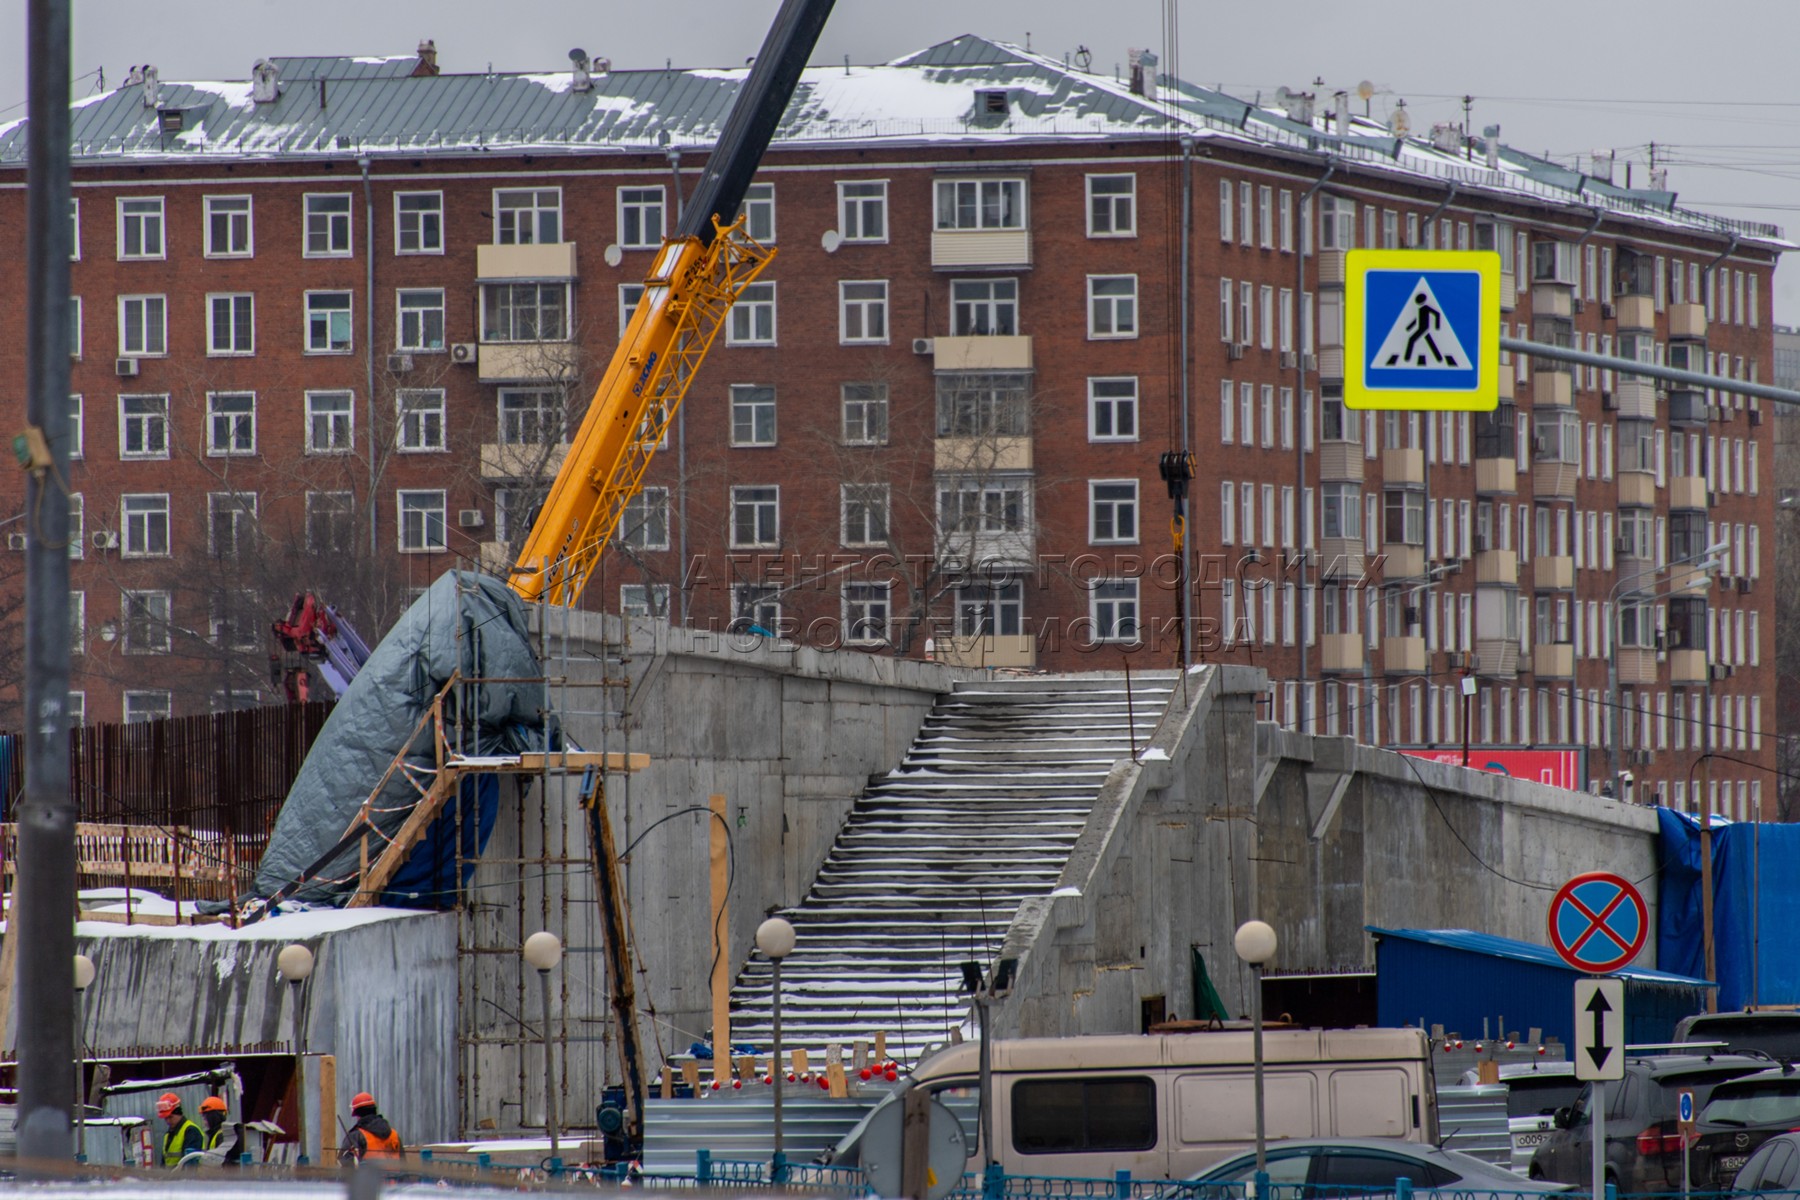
(375, 106)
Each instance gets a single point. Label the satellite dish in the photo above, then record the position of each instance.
(578, 56)
(1281, 95)
(831, 240)
(1365, 90)
(614, 256)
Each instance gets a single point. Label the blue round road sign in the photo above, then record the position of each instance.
(1598, 922)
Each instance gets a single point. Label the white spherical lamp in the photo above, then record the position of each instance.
(543, 950)
(775, 938)
(1255, 942)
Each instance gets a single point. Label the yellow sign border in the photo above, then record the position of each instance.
(1357, 395)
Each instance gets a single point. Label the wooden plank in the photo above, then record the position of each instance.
(405, 838)
(327, 1109)
(720, 933)
(581, 760)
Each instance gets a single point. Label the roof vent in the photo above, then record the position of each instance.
(1340, 104)
(1297, 105)
(1602, 167)
(152, 86)
(1447, 137)
(1491, 135)
(265, 81)
(992, 102)
(1143, 73)
(171, 120)
(427, 58)
(581, 80)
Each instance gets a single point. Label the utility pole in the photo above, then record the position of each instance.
(46, 814)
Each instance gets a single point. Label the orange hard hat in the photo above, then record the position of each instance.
(361, 1100)
(212, 1104)
(167, 1103)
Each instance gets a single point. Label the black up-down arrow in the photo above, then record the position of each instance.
(1599, 1051)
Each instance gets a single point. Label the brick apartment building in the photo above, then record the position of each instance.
(335, 322)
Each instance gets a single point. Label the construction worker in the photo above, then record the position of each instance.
(184, 1137)
(221, 1139)
(371, 1136)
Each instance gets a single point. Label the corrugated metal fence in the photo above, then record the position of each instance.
(214, 783)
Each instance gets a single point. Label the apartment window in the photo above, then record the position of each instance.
(531, 416)
(329, 521)
(1225, 210)
(644, 600)
(752, 414)
(1113, 606)
(759, 213)
(1113, 409)
(1404, 518)
(532, 216)
(753, 317)
(866, 608)
(1337, 223)
(1112, 306)
(1287, 222)
(77, 427)
(1341, 510)
(228, 227)
(230, 523)
(982, 307)
(74, 233)
(1338, 423)
(756, 608)
(630, 296)
(75, 327)
(1265, 211)
(975, 405)
(525, 312)
(755, 517)
(328, 322)
(419, 223)
(143, 326)
(421, 318)
(1112, 205)
(964, 204)
(231, 324)
(145, 526)
(865, 413)
(644, 523)
(990, 607)
(419, 420)
(330, 422)
(327, 226)
(142, 706)
(865, 513)
(145, 628)
(141, 227)
(230, 423)
(862, 211)
(973, 506)
(862, 311)
(143, 427)
(640, 217)
(421, 521)
(1113, 511)
(1558, 438)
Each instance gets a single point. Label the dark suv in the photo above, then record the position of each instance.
(1643, 1136)
(1741, 1115)
(1776, 1034)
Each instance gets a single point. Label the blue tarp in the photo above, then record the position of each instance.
(1756, 908)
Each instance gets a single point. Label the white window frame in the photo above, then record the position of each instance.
(74, 229)
(140, 515)
(759, 209)
(233, 424)
(740, 497)
(148, 302)
(420, 419)
(867, 613)
(644, 601)
(312, 414)
(308, 315)
(149, 213)
(232, 512)
(1113, 405)
(157, 608)
(854, 229)
(1114, 506)
(406, 305)
(1126, 594)
(540, 410)
(645, 516)
(863, 319)
(75, 328)
(227, 208)
(230, 350)
(435, 245)
(742, 329)
(637, 199)
(982, 186)
(1111, 204)
(149, 419)
(874, 500)
(77, 426)
(537, 205)
(866, 404)
(630, 296)
(330, 223)
(753, 399)
(1112, 317)
(414, 505)
(158, 703)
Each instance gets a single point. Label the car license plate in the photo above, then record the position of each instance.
(1523, 1140)
(1726, 1167)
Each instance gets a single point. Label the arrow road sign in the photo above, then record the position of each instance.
(1598, 922)
(1600, 1029)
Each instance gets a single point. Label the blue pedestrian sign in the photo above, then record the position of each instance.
(1422, 329)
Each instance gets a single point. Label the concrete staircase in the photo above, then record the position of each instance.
(936, 856)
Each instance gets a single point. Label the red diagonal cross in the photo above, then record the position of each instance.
(1598, 922)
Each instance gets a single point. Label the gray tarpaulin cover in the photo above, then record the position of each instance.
(482, 632)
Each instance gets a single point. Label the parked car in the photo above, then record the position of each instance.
(1643, 1135)
(1740, 1116)
(1362, 1166)
(1776, 1034)
(1534, 1091)
(1775, 1167)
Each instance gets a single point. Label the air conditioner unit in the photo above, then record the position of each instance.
(1756, 416)
(1289, 360)
(462, 352)
(1623, 545)
(1609, 402)
(1579, 305)
(106, 539)
(125, 367)
(922, 345)
(15, 541)
(1540, 445)
(1309, 361)
(1720, 672)
(1608, 312)
(399, 364)
(470, 518)
(1234, 350)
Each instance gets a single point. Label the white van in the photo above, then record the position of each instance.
(1164, 1106)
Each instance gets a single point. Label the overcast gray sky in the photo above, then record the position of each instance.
(1712, 85)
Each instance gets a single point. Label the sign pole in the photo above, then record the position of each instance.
(1599, 1124)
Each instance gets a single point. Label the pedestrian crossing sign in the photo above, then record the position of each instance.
(1422, 329)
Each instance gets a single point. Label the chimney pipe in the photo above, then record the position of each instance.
(427, 58)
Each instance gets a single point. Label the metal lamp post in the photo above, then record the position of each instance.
(84, 976)
(1255, 944)
(544, 950)
(775, 938)
(295, 962)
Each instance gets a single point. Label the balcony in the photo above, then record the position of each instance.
(1551, 386)
(1497, 567)
(1687, 320)
(1637, 489)
(1497, 658)
(1496, 476)
(1552, 300)
(1401, 561)
(1554, 572)
(978, 455)
(1331, 362)
(546, 260)
(1687, 492)
(1403, 466)
(1000, 352)
(1636, 666)
(1331, 268)
(1636, 312)
(1403, 655)
(1506, 380)
(992, 650)
(1687, 407)
(1687, 667)
(1341, 652)
(1636, 399)
(1340, 558)
(526, 362)
(963, 248)
(1509, 292)
(1340, 462)
(987, 548)
(501, 461)
(1554, 481)
(1553, 661)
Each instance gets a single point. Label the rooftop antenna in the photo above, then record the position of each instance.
(1468, 142)
(1084, 58)
(1028, 41)
(1366, 91)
